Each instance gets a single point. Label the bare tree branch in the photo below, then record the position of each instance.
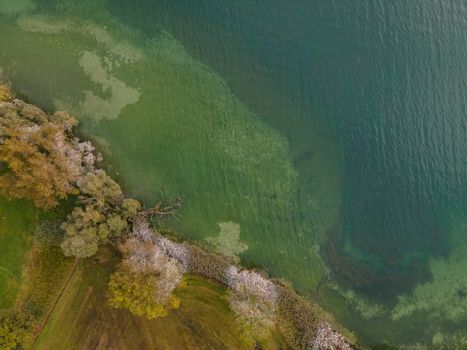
(163, 209)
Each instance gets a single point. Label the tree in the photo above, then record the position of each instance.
(101, 188)
(5, 93)
(44, 161)
(146, 277)
(137, 292)
(102, 215)
(253, 299)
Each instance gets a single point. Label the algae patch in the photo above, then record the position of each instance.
(121, 49)
(228, 242)
(11, 7)
(97, 67)
(39, 24)
(94, 105)
(445, 296)
(365, 308)
(118, 49)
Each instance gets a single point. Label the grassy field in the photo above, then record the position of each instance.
(82, 319)
(69, 300)
(17, 223)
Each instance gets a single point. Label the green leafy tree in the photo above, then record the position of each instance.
(101, 188)
(101, 216)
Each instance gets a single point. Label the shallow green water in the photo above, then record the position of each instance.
(333, 134)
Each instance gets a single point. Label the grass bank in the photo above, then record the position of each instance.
(17, 223)
(83, 320)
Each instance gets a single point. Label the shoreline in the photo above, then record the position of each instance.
(313, 327)
(296, 306)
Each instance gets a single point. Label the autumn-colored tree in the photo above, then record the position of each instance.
(43, 160)
(35, 170)
(253, 299)
(5, 93)
(147, 276)
(137, 292)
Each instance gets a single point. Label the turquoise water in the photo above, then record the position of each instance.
(333, 133)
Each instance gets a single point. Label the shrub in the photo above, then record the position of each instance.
(15, 329)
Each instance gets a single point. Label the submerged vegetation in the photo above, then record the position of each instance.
(46, 163)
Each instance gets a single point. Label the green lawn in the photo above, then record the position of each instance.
(17, 223)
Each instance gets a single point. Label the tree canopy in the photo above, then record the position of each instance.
(5, 93)
(43, 160)
(146, 277)
(102, 214)
(15, 329)
(137, 292)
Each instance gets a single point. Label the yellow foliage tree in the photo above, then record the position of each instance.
(5, 93)
(15, 329)
(38, 154)
(35, 170)
(137, 293)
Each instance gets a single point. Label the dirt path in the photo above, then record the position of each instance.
(39, 329)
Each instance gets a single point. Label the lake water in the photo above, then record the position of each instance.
(330, 135)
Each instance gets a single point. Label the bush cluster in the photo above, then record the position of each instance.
(15, 329)
(102, 215)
